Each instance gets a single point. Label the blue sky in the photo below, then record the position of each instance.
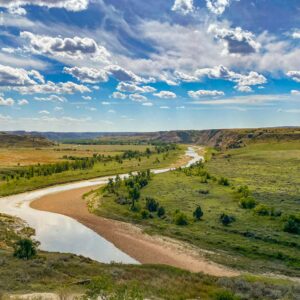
(132, 65)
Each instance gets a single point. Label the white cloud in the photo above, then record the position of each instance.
(44, 112)
(183, 6)
(118, 95)
(295, 75)
(147, 104)
(23, 102)
(217, 6)
(16, 6)
(133, 88)
(53, 88)
(58, 108)
(296, 34)
(121, 74)
(6, 102)
(88, 75)
(291, 111)
(75, 48)
(10, 76)
(295, 92)
(164, 107)
(165, 95)
(138, 98)
(51, 98)
(205, 93)
(243, 88)
(237, 41)
(185, 77)
(105, 103)
(87, 98)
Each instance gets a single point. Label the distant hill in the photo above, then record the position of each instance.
(24, 140)
(218, 138)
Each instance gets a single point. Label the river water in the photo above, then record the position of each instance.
(58, 233)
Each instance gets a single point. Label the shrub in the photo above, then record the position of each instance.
(248, 203)
(225, 295)
(145, 214)
(181, 219)
(292, 225)
(226, 219)
(151, 204)
(244, 191)
(223, 181)
(276, 212)
(204, 192)
(262, 210)
(161, 212)
(25, 249)
(198, 213)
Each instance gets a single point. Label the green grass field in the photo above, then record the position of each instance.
(100, 169)
(67, 274)
(253, 242)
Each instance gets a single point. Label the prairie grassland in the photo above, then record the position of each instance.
(113, 167)
(253, 242)
(12, 157)
(68, 274)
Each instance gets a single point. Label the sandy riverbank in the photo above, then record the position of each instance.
(129, 238)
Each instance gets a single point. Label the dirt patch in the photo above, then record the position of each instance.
(129, 238)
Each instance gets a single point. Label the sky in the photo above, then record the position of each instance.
(132, 65)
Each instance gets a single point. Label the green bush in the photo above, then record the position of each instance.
(292, 225)
(145, 214)
(225, 295)
(181, 219)
(25, 249)
(161, 212)
(151, 204)
(198, 213)
(223, 181)
(226, 219)
(244, 191)
(248, 203)
(262, 210)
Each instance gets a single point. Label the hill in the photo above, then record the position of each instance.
(24, 140)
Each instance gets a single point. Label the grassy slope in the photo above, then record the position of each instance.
(253, 242)
(70, 274)
(100, 169)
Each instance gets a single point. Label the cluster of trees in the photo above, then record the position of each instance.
(152, 206)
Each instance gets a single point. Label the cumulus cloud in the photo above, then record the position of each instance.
(118, 95)
(205, 93)
(44, 112)
(147, 104)
(53, 88)
(133, 88)
(23, 102)
(296, 34)
(87, 75)
(183, 6)
(295, 75)
(295, 92)
(6, 102)
(87, 98)
(217, 6)
(243, 89)
(221, 72)
(138, 98)
(73, 48)
(165, 95)
(121, 74)
(18, 77)
(16, 6)
(237, 41)
(185, 77)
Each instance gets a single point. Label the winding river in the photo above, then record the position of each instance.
(58, 233)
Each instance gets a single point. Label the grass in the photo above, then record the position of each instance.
(100, 169)
(15, 157)
(67, 274)
(252, 242)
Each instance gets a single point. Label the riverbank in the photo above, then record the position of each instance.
(129, 238)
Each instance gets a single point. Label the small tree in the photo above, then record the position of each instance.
(223, 181)
(151, 204)
(25, 249)
(248, 203)
(161, 212)
(181, 219)
(226, 220)
(198, 213)
(134, 195)
(292, 225)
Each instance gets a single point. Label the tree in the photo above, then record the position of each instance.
(226, 220)
(134, 195)
(161, 212)
(181, 219)
(198, 213)
(292, 225)
(151, 204)
(248, 203)
(25, 249)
